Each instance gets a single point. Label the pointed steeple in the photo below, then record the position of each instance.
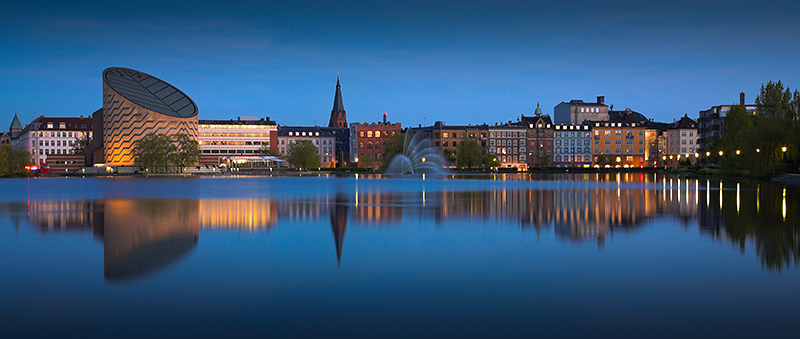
(15, 124)
(339, 213)
(338, 115)
(538, 111)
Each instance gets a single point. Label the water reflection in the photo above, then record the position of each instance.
(141, 237)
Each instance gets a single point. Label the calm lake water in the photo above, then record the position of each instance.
(570, 255)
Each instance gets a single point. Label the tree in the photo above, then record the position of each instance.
(392, 148)
(186, 151)
(303, 154)
(366, 161)
(153, 152)
(545, 160)
(490, 161)
(13, 160)
(469, 154)
(81, 143)
(449, 156)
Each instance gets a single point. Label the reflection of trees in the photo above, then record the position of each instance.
(759, 215)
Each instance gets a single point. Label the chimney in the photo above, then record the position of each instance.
(601, 99)
(741, 98)
(384, 117)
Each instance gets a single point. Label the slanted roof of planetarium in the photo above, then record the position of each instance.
(149, 92)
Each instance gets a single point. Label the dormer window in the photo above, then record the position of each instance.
(49, 125)
(62, 125)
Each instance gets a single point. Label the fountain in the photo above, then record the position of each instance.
(418, 157)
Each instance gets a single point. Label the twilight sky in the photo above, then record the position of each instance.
(419, 61)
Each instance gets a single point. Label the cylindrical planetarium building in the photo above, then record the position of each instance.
(136, 104)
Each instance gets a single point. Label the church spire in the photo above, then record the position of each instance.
(338, 115)
(15, 124)
(538, 111)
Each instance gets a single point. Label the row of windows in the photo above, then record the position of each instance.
(63, 134)
(590, 109)
(316, 142)
(377, 134)
(511, 159)
(573, 150)
(219, 134)
(618, 150)
(506, 142)
(507, 134)
(446, 135)
(620, 132)
(240, 143)
(573, 134)
(53, 143)
(231, 151)
(46, 151)
(569, 158)
(618, 142)
(237, 126)
(506, 150)
(572, 143)
(370, 145)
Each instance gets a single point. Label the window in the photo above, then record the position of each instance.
(641, 150)
(361, 134)
(369, 134)
(618, 150)
(445, 135)
(377, 134)
(618, 142)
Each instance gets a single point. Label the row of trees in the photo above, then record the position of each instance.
(763, 143)
(164, 153)
(13, 160)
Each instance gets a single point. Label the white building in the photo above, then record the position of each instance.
(577, 111)
(509, 144)
(323, 140)
(682, 138)
(572, 146)
(243, 137)
(52, 135)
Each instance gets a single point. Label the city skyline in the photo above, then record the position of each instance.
(420, 62)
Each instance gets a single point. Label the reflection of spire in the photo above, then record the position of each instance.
(339, 223)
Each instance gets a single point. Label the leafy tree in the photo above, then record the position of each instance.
(81, 143)
(154, 151)
(449, 156)
(366, 161)
(303, 154)
(186, 151)
(13, 160)
(469, 154)
(392, 148)
(490, 161)
(545, 160)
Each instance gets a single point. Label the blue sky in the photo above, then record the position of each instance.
(419, 61)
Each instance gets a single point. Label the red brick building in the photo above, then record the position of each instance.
(367, 141)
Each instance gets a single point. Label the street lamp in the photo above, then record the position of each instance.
(423, 159)
(738, 152)
(708, 154)
(720, 153)
(758, 150)
(783, 149)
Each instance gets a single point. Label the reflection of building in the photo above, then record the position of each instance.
(241, 214)
(61, 215)
(339, 211)
(136, 104)
(231, 138)
(143, 236)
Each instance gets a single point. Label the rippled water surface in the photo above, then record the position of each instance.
(571, 255)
